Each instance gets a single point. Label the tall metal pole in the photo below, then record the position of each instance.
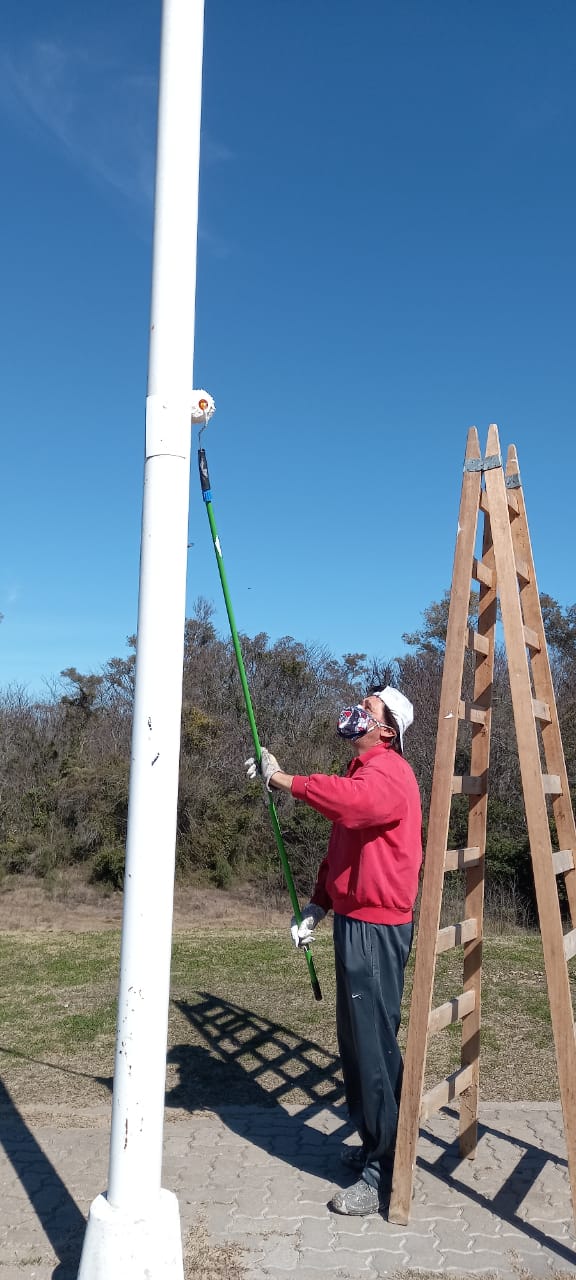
(134, 1230)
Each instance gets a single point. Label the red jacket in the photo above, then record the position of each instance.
(370, 871)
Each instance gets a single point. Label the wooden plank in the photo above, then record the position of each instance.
(476, 642)
(532, 639)
(445, 1092)
(522, 569)
(542, 711)
(512, 502)
(526, 681)
(563, 860)
(481, 572)
(437, 842)
(476, 836)
(471, 713)
(465, 785)
(570, 944)
(543, 689)
(552, 784)
(454, 935)
(458, 859)
(451, 1011)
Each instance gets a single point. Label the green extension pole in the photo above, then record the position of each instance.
(207, 496)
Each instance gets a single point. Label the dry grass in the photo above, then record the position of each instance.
(204, 1260)
(243, 1025)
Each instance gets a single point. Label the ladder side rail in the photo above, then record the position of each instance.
(475, 875)
(544, 686)
(535, 805)
(438, 824)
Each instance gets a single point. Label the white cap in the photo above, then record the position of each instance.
(401, 708)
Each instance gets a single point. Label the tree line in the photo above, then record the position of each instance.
(64, 759)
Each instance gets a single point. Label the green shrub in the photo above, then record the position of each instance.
(108, 867)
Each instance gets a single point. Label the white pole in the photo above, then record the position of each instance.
(134, 1231)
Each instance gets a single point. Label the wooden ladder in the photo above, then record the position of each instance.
(504, 571)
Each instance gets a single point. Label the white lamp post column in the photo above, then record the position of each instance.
(134, 1231)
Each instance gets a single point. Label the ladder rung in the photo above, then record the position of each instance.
(481, 572)
(522, 570)
(541, 711)
(454, 935)
(473, 714)
(480, 644)
(570, 944)
(466, 785)
(457, 859)
(552, 784)
(446, 1091)
(531, 639)
(451, 1011)
(562, 860)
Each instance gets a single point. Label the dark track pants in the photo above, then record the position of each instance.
(370, 964)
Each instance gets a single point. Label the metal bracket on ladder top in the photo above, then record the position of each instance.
(488, 463)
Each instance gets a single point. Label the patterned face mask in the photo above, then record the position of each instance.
(353, 722)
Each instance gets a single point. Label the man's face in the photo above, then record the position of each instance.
(375, 706)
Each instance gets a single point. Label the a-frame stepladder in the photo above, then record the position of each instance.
(504, 571)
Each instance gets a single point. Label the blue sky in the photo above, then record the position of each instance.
(386, 255)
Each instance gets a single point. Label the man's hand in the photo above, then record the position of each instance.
(266, 769)
(303, 934)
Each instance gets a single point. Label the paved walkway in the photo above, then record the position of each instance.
(259, 1177)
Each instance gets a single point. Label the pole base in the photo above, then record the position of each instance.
(120, 1246)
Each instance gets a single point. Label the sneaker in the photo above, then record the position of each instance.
(356, 1201)
(353, 1158)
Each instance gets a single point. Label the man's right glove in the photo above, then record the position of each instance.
(303, 934)
(266, 769)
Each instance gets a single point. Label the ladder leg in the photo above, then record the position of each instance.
(475, 875)
(535, 803)
(439, 818)
(543, 684)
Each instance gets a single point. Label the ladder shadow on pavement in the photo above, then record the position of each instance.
(247, 1061)
(509, 1196)
(56, 1210)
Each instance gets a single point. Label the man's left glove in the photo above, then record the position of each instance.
(266, 769)
(303, 934)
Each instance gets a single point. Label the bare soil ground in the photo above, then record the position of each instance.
(71, 905)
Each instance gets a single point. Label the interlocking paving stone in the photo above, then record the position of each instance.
(327, 1261)
(302, 1272)
(471, 1264)
(262, 1177)
(277, 1251)
(32, 1271)
(312, 1234)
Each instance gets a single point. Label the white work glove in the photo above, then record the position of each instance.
(267, 767)
(303, 934)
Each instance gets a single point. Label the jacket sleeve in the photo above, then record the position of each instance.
(320, 894)
(369, 799)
